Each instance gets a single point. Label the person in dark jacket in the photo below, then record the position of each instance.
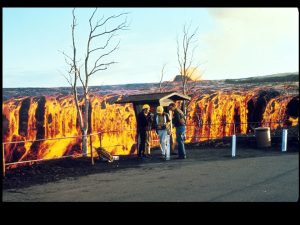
(178, 121)
(144, 123)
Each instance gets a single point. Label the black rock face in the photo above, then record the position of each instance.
(39, 116)
(23, 115)
(257, 105)
(237, 119)
(5, 126)
(40, 134)
(292, 108)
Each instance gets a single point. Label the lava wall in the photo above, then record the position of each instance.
(210, 115)
(214, 115)
(56, 117)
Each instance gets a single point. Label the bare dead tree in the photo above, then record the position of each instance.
(185, 56)
(161, 86)
(97, 31)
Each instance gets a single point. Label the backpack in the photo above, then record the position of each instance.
(166, 125)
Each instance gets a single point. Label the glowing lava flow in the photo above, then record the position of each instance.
(213, 115)
(210, 115)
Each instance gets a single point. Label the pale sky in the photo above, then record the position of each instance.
(232, 43)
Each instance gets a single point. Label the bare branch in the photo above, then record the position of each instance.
(103, 64)
(161, 78)
(67, 56)
(69, 80)
(121, 26)
(103, 55)
(90, 20)
(80, 78)
(192, 57)
(103, 47)
(178, 57)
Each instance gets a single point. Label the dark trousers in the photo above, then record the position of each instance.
(142, 143)
(180, 136)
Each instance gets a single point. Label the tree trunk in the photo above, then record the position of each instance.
(184, 102)
(84, 142)
(95, 32)
(184, 107)
(85, 127)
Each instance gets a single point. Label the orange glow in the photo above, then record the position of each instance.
(216, 109)
(193, 74)
(56, 117)
(275, 112)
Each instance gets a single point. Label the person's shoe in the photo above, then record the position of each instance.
(181, 157)
(145, 156)
(174, 153)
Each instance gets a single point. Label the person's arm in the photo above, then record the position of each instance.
(168, 117)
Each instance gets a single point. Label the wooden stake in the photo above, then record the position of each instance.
(91, 146)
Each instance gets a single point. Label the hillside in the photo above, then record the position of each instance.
(280, 77)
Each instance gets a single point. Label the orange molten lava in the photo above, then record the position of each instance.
(210, 115)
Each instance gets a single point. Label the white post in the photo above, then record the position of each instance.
(284, 140)
(233, 145)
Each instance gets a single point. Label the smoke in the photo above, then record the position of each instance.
(194, 73)
(252, 41)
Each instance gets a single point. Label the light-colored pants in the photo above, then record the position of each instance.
(147, 143)
(165, 143)
(144, 143)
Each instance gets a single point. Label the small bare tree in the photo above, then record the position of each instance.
(98, 31)
(161, 86)
(185, 56)
(165, 85)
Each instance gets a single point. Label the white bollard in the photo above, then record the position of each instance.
(233, 145)
(284, 140)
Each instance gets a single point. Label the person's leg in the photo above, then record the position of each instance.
(161, 141)
(183, 129)
(178, 139)
(183, 140)
(167, 141)
(147, 142)
(142, 143)
(172, 145)
(180, 133)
